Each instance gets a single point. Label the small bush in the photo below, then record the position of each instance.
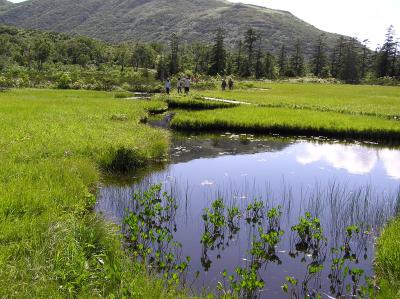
(64, 81)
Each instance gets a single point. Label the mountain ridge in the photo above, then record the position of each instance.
(157, 20)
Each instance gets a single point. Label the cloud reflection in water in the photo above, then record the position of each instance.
(355, 159)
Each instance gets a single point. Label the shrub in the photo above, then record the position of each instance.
(64, 81)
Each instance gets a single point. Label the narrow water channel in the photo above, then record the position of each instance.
(342, 184)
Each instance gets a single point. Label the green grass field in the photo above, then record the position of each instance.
(379, 101)
(53, 145)
(289, 121)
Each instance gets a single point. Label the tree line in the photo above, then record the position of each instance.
(350, 61)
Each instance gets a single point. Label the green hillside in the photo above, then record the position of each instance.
(156, 20)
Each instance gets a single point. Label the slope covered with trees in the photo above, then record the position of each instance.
(156, 20)
(4, 5)
(32, 58)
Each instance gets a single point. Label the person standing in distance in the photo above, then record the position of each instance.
(230, 84)
(223, 84)
(187, 85)
(179, 85)
(168, 86)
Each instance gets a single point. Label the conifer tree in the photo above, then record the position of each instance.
(239, 58)
(259, 67)
(269, 66)
(174, 58)
(297, 61)
(337, 57)
(282, 62)
(218, 55)
(386, 58)
(365, 59)
(319, 58)
(350, 69)
(162, 68)
(250, 40)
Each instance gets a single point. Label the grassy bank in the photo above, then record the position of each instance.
(366, 100)
(194, 102)
(388, 261)
(289, 121)
(53, 145)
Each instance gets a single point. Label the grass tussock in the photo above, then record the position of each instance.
(193, 103)
(388, 261)
(288, 121)
(51, 146)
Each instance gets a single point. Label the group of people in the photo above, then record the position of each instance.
(185, 83)
(224, 84)
(182, 83)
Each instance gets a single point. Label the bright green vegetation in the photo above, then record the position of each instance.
(388, 260)
(362, 99)
(289, 121)
(152, 220)
(194, 103)
(53, 145)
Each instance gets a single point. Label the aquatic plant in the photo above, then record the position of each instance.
(150, 228)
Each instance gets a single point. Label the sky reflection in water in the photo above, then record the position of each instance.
(343, 184)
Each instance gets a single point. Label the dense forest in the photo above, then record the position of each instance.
(31, 58)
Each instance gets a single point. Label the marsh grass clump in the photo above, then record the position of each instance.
(195, 103)
(123, 95)
(123, 160)
(119, 117)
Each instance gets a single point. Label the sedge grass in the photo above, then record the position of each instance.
(380, 101)
(52, 146)
(388, 261)
(289, 121)
(193, 102)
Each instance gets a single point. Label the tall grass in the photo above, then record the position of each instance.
(388, 260)
(193, 102)
(349, 99)
(52, 145)
(289, 121)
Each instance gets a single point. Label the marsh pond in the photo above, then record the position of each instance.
(266, 217)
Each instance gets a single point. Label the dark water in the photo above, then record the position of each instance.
(342, 184)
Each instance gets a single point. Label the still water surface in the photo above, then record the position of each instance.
(342, 184)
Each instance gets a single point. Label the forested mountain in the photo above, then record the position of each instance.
(157, 20)
(4, 2)
(4, 5)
